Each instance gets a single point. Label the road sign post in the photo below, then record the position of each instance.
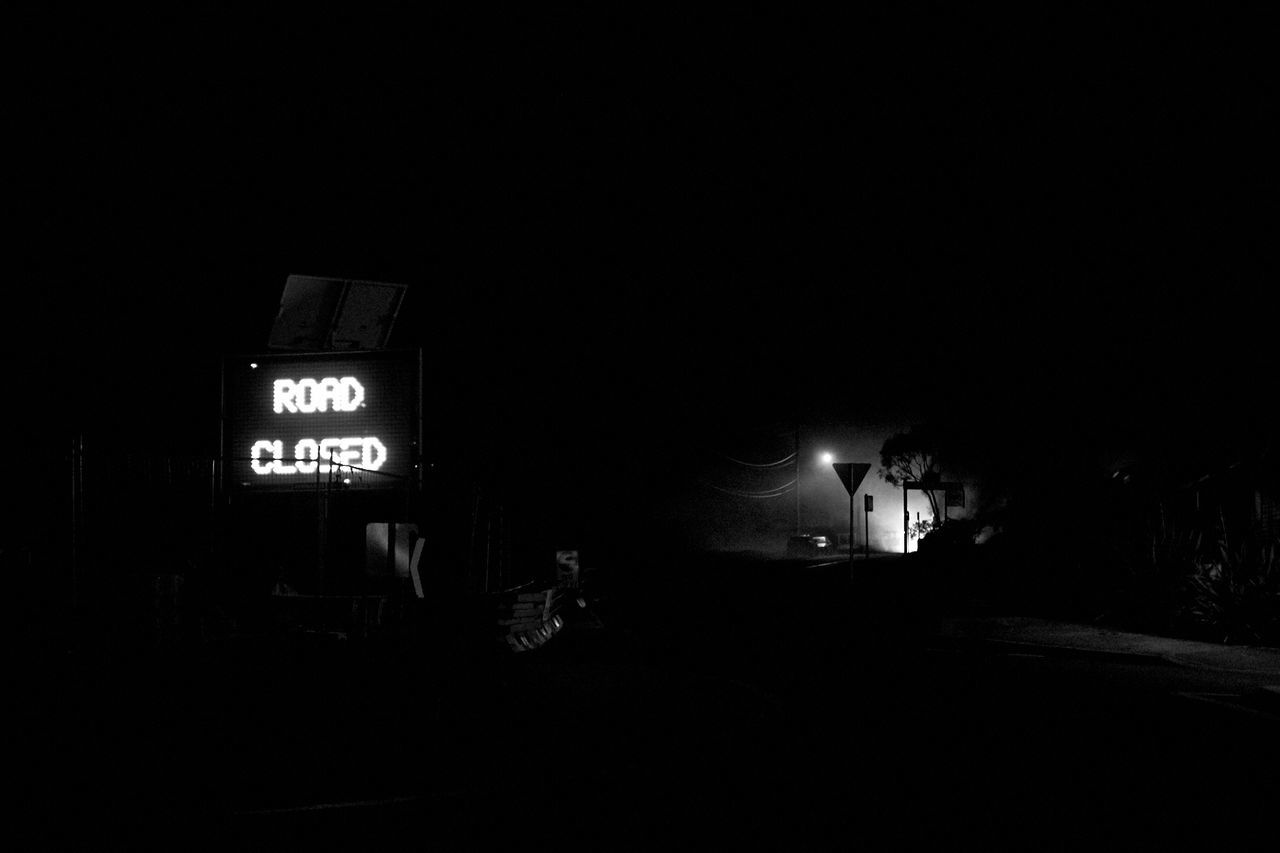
(868, 506)
(851, 475)
(850, 531)
(906, 518)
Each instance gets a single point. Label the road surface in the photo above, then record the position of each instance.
(753, 703)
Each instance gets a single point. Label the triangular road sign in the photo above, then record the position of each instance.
(851, 474)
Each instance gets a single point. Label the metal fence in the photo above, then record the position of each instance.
(150, 533)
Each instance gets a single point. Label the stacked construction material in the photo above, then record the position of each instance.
(527, 618)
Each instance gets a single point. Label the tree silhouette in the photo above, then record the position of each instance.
(913, 456)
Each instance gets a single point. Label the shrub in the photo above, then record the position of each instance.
(1155, 577)
(949, 537)
(1232, 594)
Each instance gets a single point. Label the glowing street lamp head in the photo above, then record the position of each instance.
(827, 458)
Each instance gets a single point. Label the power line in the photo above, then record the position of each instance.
(749, 495)
(784, 489)
(782, 461)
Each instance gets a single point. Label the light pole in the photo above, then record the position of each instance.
(826, 458)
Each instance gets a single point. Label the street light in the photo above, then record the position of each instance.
(827, 458)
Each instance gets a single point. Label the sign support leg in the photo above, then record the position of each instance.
(906, 519)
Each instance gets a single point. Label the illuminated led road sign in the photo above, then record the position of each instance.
(292, 420)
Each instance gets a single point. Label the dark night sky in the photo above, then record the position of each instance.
(619, 233)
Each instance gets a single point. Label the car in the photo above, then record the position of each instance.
(808, 545)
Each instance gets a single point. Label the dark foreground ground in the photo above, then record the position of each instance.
(723, 702)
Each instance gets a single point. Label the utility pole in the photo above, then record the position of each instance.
(797, 457)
